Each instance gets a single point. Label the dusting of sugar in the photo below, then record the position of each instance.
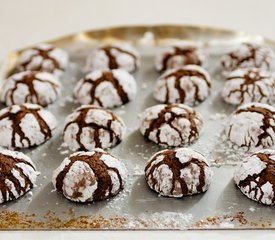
(101, 118)
(105, 94)
(174, 131)
(178, 60)
(195, 84)
(99, 60)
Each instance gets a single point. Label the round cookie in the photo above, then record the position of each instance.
(178, 55)
(178, 172)
(171, 125)
(249, 85)
(17, 175)
(44, 58)
(190, 85)
(30, 87)
(26, 125)
(122, 56)
(252, 126)
(90, 127)
(248, 55)
(255, 177)
(108, 89)
(90, 176)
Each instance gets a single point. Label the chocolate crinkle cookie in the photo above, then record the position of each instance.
(30, 87)
(45, 58)
(252, 126)
(17, 175)
(190, 85)
(255, 177)
(108, 89)
(249, 85)
(114, 56)
(248, 55)
(26, 125)
(178, 55)
(90, 127)
(90, 176)
(177, 173)
(171, 125)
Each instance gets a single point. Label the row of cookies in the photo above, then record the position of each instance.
(98, 175)
(108, 83)
(91, 113)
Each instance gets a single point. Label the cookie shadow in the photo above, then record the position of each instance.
(233, 200)
(47, 199)
(142, 199)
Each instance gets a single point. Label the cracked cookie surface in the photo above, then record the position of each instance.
(249, 85)
(252, 126)
(190, 85)
(171, 125)
(26, 125)
(177, 173)
(30, 87)
(90, 127)
(44, 58)
(108, 89)
(90, 176)
(114, 56)
(255, 177)
(18, 175)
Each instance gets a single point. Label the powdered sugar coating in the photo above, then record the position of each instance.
(108, 89)
(171, 125)
(178, 55)
(44, 57)
(249, 85)
(252, 125)
(18, 175)
(26, 125)
(255, 177)
(90, 176)
(91, 126)
(178, 173)
(190, 85)
(114, 56)
(248, 55)
(30, 87)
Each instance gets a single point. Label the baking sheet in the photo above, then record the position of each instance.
(223, 206)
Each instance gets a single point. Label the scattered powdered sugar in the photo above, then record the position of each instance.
(217, 116)
(161, 220)
(252, 209)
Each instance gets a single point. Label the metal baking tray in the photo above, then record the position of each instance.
(223, 206)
